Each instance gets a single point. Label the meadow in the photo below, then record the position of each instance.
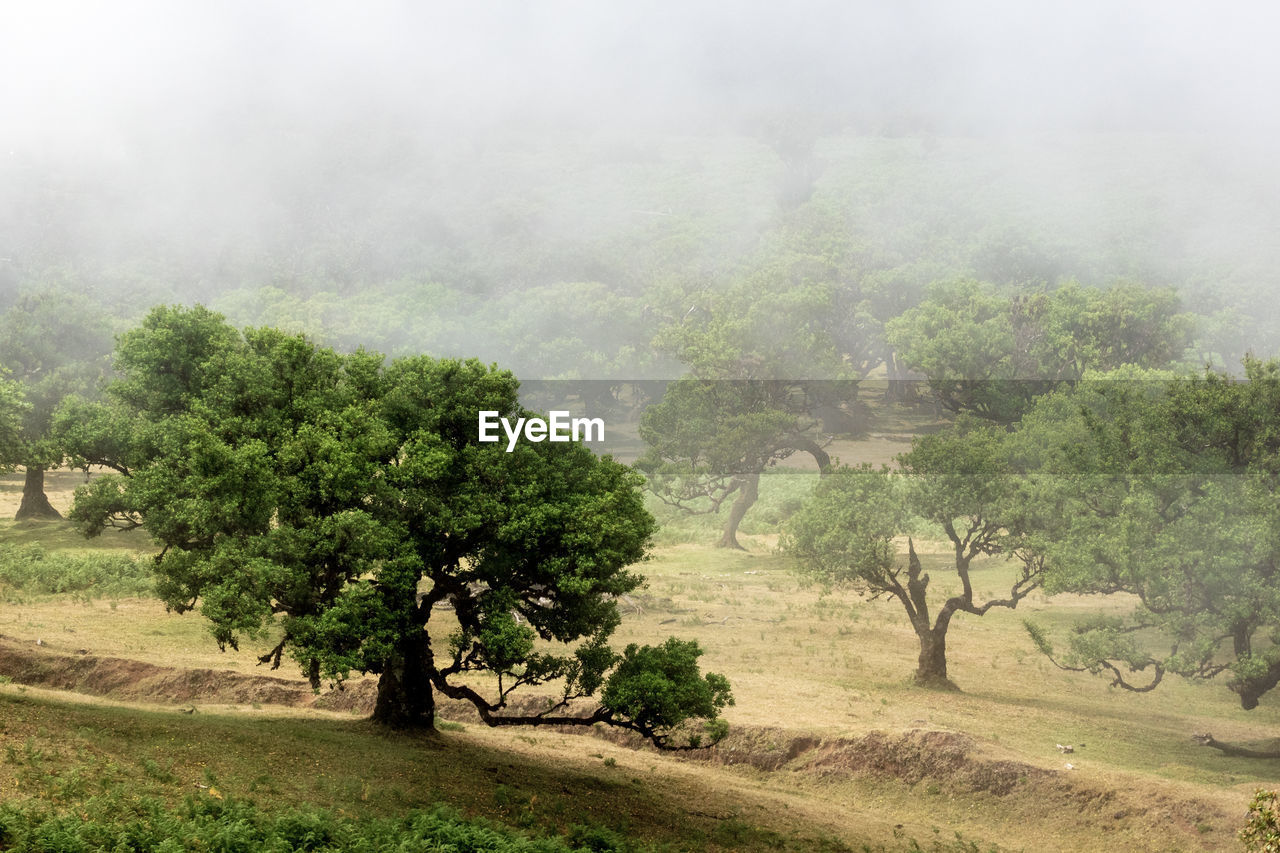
(832, 747)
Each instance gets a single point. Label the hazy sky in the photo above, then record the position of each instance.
(97, 75)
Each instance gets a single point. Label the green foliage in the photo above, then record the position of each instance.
(32, 569)
(990, 353)
(1261, 832)
(709, 440)
(55, 342)
(12, 409)
(844, 533)
(659, 688)
(1166, 489)
(960, 479)
(342, 501)
(957, 479)
(110, 822)
(705, 434)
(576, 330)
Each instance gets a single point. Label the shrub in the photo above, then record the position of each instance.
(34, 570)
(1261, 833)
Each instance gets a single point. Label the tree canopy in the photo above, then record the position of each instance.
(11, 411)
(343, 506)
(761, 369)
(1165, 488)
(991, 353)
(710, 440)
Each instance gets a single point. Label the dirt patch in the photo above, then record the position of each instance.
(121, 678)
(916, 755)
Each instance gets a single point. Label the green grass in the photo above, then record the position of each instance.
(124, 767)
(62, 536)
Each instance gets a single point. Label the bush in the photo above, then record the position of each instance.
(1261, 833)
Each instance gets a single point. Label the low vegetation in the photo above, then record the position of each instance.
(35, 570)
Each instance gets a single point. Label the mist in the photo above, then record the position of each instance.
(275, 164)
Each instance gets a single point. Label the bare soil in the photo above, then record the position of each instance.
(133, 680)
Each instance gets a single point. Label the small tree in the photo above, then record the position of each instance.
(342, 504)
(957, 479)
(1261, 832)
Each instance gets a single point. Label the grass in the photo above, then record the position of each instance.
(804, 662)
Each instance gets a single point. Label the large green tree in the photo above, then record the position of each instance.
(56, 343)
(346, 507)
(1167, 489)
(958, 480)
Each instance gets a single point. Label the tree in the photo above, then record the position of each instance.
(957, 479)
(1165, 489)
(710, 440)
(761, 366)
(56, 344)
(345, 504)
(990, 353)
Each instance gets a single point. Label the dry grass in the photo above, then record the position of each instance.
(823, 666)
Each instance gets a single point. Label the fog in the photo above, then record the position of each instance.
(177, 152)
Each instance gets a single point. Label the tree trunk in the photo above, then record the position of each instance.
(749, 491)
(34, 502)
(405, 698)
(932, 667)
(892, 388)
(820, 456)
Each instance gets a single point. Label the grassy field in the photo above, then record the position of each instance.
(833, 747)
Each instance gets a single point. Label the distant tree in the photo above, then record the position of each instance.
(1165, 489)
(1007, 256)
(958, 479)
(793, 138)
(56, 344)
(574, 330)
(814, 257)
(709, 440)
(961, 338)
(991, 354)
(755, 358)
(340, 504)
